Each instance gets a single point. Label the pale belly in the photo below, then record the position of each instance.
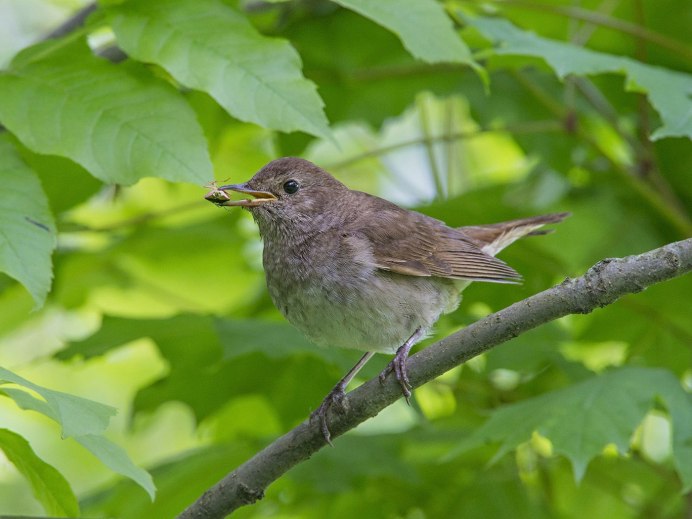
(369, 311)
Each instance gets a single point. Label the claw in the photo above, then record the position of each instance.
(398, 365)
(335, 397)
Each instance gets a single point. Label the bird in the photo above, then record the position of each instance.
(352, 270)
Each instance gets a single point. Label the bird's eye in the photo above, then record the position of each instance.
(291, 186)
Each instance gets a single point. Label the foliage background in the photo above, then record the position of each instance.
(157, 304)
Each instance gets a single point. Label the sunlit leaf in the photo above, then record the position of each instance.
(209, 46)
(422, 25)
(27, 230)
(118, 122)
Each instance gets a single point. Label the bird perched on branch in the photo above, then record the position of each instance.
(352, 270)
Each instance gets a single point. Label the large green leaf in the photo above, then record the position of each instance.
(209, 46)
(118, 122)
(668, 91)
(422, 25)
(582, 419)
(27, 230)
(50, 488)
(80, 418)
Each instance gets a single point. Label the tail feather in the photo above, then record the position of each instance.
(492, 238)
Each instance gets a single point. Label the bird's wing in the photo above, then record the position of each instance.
(494, 237)
(413, 244)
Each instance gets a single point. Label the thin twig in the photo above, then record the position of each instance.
(602, 285)
(72, 23)
(603, 11)
(111, 51)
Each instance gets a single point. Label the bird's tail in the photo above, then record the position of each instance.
(494, 237)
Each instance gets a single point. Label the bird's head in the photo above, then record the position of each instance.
(287, 192)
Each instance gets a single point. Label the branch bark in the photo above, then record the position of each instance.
(602, 285)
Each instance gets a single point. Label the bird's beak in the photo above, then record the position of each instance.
(260, 197)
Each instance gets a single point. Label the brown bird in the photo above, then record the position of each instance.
(352, 270)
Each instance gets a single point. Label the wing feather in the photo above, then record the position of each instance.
(413, 244)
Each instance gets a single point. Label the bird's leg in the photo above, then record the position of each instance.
(398, 364)
(336, 396)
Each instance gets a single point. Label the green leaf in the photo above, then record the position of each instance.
(118, 122)
(27, 230)
(668, 91)
(80, 418)
(582, 419)
(82, 185)
(76, 415)
(362, 71)
(50, 488)
(208, 46)
(422, 25)
(116, 459)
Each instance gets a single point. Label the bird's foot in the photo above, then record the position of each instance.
(335, 398)
(398, 366)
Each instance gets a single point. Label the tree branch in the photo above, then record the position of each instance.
(602, 285)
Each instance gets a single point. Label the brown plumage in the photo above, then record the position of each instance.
(410, 243)
(352, 270)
